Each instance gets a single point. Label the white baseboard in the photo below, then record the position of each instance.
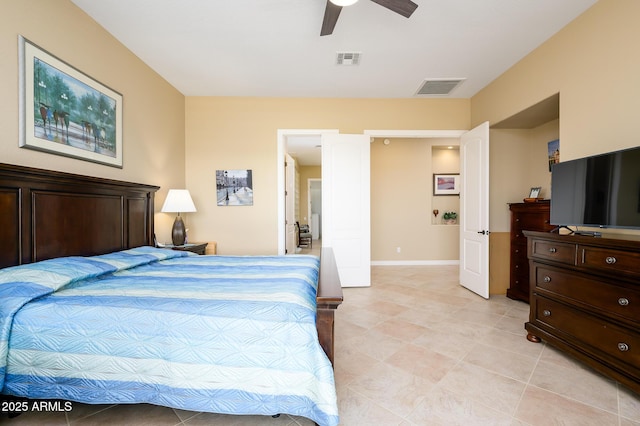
(414, 262)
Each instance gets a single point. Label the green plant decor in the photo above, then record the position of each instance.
(450, 216)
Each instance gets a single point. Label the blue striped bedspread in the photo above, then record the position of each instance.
(224, 334)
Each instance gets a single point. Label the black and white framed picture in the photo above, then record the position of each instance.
(534, 192)
(234, 187)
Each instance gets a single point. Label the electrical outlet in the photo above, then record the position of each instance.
(398, 250)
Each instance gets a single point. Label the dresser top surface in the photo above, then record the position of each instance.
(627, 241)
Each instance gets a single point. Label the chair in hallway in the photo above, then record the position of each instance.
(304, 236)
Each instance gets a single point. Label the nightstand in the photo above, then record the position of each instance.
(197, 248)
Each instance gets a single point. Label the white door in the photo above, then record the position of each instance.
(346, 205)
(289, 195)
(474, 207)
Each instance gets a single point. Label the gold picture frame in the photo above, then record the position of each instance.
(64, 111)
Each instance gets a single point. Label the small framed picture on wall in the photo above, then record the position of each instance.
(234, 187)
(446, 184)
(553, 152)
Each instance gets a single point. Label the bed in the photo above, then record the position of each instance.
(145, 324)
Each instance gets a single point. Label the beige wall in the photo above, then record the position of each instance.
(153, 111)
(242, 133)
(518, 161)
(174, 142)
(402, 202)
(593, 47)
(594, 65)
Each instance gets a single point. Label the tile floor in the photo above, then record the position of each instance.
(417, 349)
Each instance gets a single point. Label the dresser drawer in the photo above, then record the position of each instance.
(553, 250)
(520, 277)
(519, 250)
(609, 260)
(533, 221)
(618, 342)
(601, 296)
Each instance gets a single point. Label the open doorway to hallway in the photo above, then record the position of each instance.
(302, 190)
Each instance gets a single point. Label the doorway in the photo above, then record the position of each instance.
(282, 135)
(307, 138)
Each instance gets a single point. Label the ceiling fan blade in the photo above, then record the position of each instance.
(331, 13)
(403, 7)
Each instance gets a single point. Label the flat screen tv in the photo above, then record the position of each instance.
(600, 191)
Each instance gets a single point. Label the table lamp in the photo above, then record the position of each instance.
(178, 201)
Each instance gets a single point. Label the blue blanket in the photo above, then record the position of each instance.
(224, 334)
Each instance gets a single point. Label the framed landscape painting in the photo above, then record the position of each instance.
(446, 184)
(553, 152)
(66, 112)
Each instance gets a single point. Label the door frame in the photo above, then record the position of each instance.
(282, 136)
(290, 178)
(282, 149)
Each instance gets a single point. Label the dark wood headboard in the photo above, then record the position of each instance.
(46, 214)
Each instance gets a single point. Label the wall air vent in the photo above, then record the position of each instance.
(439, 87)
(348, 58)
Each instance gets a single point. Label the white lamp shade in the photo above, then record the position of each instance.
(178, 201)
(343, 2)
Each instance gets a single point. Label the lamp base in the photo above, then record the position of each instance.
(178, 233)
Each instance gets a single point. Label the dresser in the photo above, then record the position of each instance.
(585, 300)
(524, 216)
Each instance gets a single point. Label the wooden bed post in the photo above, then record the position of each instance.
(329, 297)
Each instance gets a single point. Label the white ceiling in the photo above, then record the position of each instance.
(305, 149)
(274, 48)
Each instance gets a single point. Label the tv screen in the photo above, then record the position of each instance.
(599, 191)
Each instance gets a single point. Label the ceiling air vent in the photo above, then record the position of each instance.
(348, 58)
(441, 87)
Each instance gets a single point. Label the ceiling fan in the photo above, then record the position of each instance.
(334, 7)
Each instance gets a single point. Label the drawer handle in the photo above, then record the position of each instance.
(547, 279)
(546, 313)
(623, 301)
(610, 260)
(552, 250)
(623, 347)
